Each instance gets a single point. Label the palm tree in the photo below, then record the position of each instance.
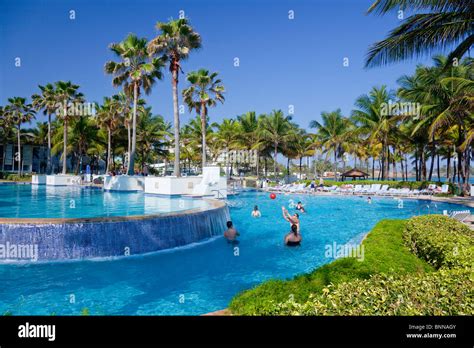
(228, 137)
(374, 119)
(46, 101)
(175, 41)
(66, 95)
(6, 128)
(275, 130)
(250, 137)
(153, 133)
(20, 113)
(332, 133)
(204, 92)
(435, 25)
(136, 72)
(108, 118)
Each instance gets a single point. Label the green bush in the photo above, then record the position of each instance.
(446, 292)
(15, 177)
(440, 240)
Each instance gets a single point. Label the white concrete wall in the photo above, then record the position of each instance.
(124, 183)
(62, 180)
(38, 179)
(168, 185)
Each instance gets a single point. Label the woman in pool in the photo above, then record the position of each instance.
(293, 238)
(256, 212)
(300, 207)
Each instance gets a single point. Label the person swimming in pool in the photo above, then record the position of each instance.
(300, 207)
(231, 233)
(369, 200)
(292, 219)
(293, 238)
(256, 212)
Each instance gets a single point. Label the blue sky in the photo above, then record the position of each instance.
(283, 62)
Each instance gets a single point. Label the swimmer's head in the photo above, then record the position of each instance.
(296, 214)
(229, 224)
(255, 208)
(294, 229)
(299, 202)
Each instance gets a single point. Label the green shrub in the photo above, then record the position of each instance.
(446, 292)
(412, 185)
(440, 240)
(15, 177)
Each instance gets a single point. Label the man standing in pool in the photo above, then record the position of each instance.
(292, 219)
(231, 233)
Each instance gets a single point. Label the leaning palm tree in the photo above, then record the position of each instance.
(46, 101)
(276, 129)
(136, 72)
(20, 112)
(175, 41)
(205, 91)
(435, 25)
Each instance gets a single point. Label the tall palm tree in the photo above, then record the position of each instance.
(374, 119)
(6, 131)
(108, 118)
(332, 133)
(205, 91)
(46, 101)
(136, 72)
(66, 95)
(276, 130)
(175, 41)
(20, 112)
(434, 25)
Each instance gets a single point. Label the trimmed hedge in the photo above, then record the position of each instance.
(440, 240)
(446, 292)
(14, 177)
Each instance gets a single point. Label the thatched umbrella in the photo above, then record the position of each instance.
(354, 173)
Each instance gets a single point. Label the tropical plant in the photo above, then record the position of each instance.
(434, 25)
(205, 91)
(20, 112)
(175, 41)
(136, 72)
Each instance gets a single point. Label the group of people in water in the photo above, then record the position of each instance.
(292, 238)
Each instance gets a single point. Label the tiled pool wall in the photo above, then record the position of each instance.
(77, 239)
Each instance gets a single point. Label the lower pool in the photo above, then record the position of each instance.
(201, 278)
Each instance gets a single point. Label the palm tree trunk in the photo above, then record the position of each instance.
(373, 168)
(65, 143)
(417, 176)
(335, 165)
(108, 150)
(437, 167)
(49, 166)
(129, 145)
(448, 167)
(174, 82)
(402, 168)
(433, 157)
(258, 158)
(275, 153)
(301, 160)
(19, 151)
(131, 168)
(203, 133)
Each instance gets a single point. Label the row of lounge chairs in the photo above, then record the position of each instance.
(374, 189)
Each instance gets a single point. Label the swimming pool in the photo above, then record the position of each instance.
(201, 278)
(41, 201)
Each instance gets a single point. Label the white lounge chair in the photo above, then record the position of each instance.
(383, 190)
(460, 215)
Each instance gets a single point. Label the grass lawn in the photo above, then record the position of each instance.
(384, 252)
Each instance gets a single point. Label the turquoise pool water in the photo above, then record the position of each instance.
(201, 278)
(33, 201)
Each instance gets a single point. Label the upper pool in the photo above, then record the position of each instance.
(33, 201)
(203, 277)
